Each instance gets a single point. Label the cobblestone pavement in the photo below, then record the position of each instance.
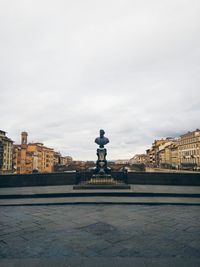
(100, 231)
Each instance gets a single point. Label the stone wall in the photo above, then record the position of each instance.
(164, 178)
(38, 179)
(151, 178)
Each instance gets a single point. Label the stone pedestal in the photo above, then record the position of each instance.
(102, 186)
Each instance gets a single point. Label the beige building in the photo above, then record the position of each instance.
(154, 155)
(150, 161)
(60, 160)
(32, 157)
(174, 155)
(181, 153)
(138, 159)
(122, 161)
(189, 150)
(6, 153)
(66, 160)
(164, 154)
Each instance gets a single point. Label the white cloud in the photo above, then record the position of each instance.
(69, 68)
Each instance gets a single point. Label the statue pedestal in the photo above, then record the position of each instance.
(101, 186)
(102, 182)
(99, 180)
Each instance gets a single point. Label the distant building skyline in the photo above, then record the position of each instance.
(94, 158)
(162, 142)
(26, 157)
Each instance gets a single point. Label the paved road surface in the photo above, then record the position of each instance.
(145, 235)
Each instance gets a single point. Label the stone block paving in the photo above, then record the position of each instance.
(100, 231)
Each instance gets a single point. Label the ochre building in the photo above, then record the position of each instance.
(32, 157)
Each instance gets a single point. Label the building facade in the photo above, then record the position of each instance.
(189, 150)
(150, 160)
(6, 153)
(174, 160)
(164, 155)
(32, 157)
(154, 154)
(138, 159)
(57, 158)
(180, 153)
(66, 160)
(122, 161)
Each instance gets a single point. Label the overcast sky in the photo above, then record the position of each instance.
(71, 67)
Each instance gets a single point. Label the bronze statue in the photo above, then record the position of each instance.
(101, 140)
(101, 164)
